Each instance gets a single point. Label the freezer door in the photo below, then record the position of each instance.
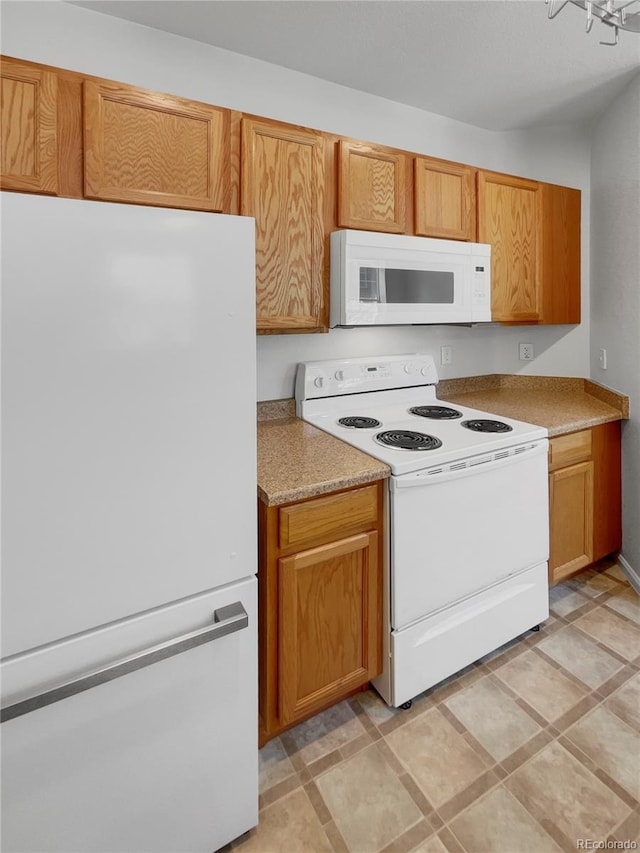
(162, 758)
(128, 405)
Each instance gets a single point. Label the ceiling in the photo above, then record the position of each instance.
(497, 64)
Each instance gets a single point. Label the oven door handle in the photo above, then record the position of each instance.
(471, 466)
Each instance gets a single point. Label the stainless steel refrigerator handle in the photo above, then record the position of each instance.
(226, 620)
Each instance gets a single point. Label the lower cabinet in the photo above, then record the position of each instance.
(584, 498)
(320, 603)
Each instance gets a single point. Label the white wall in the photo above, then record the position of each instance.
(70, 37)
(615, 284)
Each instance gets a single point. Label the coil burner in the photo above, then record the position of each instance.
(407, 439)
(481, 425)
(359, 422)
(437, 413)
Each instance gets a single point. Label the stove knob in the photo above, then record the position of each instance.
(318, 381)
(339, 375)
(410, 368)
(425, 370)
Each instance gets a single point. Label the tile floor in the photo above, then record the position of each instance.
(528, 750)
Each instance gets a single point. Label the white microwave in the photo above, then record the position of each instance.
(391, 279)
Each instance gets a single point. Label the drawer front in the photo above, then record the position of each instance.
(569, 449)
(328, 516)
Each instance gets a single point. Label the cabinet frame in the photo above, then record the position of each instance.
(339, 534)
(67, 150)
(594, 457)
(560, 272)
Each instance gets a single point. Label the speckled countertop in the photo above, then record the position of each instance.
(560, 404)
(297, 461)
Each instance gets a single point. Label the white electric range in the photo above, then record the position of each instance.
(467, 513)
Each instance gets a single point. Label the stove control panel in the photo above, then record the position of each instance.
(356, 375)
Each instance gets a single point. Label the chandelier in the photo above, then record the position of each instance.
(620, 15)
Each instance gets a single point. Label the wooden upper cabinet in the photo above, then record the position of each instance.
(560, 254)
(283, 187)
(444, 199)
(509, 218)
(149, 148)
(29, 128)
(372, 186)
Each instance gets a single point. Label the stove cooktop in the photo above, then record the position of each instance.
(406, 427)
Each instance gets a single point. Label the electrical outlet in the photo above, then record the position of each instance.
(446, 356)
(526, 352)
(602, 359)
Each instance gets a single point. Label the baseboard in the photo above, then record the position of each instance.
(630, 572)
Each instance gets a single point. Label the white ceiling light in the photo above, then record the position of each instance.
(621, 15)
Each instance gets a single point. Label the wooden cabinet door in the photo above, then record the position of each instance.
(509, 218)
(149, 148)
(283, 186)
(371, 187)
(560, 254)
(445, 199)
(329, 632)
(29, 159)
(571, 519)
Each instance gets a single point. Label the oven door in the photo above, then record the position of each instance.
(456, 532)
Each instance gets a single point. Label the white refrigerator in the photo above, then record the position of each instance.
(129, 618)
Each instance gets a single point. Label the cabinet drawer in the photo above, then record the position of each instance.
(335, 514)
(569, 449)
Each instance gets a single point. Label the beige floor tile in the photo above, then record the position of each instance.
(323, 733)
(498, 822)
(612, 745)
(578, 654)
(625, 702)
(610, 629)
(274, 765)
(564, 600)
(376, 708)
(431, 845)
(556, 787)
(626, 602)
(493, 717)
(540, 684)
(437, 756)
(290, 824)
(369, 804)
(616, 572)
(592, 583)
(512, 646)
(629, 831)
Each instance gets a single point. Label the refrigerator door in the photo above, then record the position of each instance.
(163, 758)
(128, 399)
